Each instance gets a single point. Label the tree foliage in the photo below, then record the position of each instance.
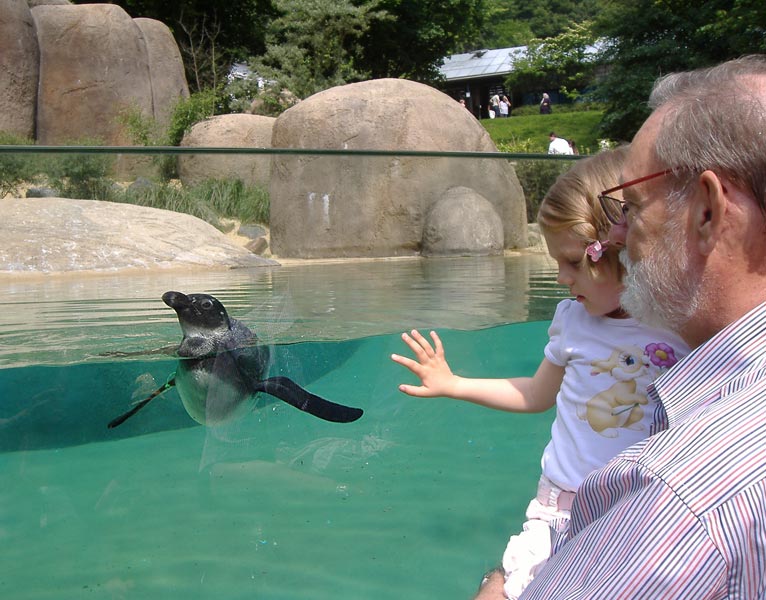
(649, 38)
(313, 44)
(419, 34)
(517, 22)
(564, 63)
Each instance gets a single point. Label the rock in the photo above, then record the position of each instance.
(33, 3)
(258, 245)
(251, 231)
(166, 69)
(54, 235)
(335, 206)
(228, 131)
(462, 223)
(41, 192)
(93, 66)
(19, 68)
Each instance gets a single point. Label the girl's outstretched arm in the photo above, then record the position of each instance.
(518, 394)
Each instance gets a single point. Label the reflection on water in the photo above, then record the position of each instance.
(68, 320)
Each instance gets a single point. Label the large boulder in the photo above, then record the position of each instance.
(96, 62)
(462, 223)
(53, 235)
(228, 131)
(325, 206)
(166, 68)
(19, 68)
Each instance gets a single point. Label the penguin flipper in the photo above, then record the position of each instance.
(288, 391)
(124, 417)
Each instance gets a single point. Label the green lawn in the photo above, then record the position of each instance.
(529, 133)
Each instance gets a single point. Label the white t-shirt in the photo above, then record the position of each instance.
(559, 146)
(602, 406)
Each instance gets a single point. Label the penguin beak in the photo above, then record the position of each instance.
(176, 300)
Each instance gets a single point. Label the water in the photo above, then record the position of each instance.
(414, 500)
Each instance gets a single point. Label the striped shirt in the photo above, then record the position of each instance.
(681, 514)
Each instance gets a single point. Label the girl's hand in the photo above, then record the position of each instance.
(430, 367)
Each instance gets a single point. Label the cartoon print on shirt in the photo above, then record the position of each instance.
(621, 404)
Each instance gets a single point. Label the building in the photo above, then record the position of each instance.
(477, 75)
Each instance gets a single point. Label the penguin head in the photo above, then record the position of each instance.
(198, 314)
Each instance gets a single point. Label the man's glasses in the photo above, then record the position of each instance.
(614, 208)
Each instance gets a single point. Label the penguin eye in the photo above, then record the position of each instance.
(206, 304)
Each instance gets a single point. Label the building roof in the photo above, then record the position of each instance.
(481, 63)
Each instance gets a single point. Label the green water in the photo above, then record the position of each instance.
(414, 500)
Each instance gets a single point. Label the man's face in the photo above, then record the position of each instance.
(661, 284)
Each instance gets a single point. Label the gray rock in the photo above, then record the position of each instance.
(462, 223)
(166, 68)
(19, 68)
(61, 235)
(228, 131)
(93, 66)
(251, 231)
(41, 192)
(335, 206)
(258, 245)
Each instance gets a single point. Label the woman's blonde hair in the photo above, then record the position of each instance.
(572, 202)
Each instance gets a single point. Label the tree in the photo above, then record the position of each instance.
(649, 38)
(566, 62)
(313, 44)
(419, 34)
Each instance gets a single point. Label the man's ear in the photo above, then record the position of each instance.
(708, 211)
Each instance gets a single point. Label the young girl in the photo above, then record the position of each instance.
(597, 364)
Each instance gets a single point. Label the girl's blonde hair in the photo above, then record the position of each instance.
(572, 202)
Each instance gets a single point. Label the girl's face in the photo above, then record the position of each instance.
(597, 290)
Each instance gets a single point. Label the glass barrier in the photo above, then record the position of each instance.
(225, 480)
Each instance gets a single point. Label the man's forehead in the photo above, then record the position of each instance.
(641, 158)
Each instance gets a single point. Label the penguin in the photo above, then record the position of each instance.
(222, 368)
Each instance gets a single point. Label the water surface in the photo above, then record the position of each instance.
(414, 500)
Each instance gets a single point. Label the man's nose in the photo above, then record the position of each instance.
(617, 234)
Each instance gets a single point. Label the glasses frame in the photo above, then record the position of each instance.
(604, 198)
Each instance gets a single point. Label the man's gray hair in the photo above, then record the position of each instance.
(716, 119)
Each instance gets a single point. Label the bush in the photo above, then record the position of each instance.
(536, 175)
(16, 168)
(209, 201)
(80, 175)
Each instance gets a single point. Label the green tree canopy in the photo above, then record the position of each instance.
(564, 63)
(419, 34)
(313, 44)
(649, 38)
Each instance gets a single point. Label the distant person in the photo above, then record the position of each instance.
(558, 145)
(505, 107)
(494, 105)
(596, 365)
(545, 104)
(573, 146)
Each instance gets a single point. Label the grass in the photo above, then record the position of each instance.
(531, 131)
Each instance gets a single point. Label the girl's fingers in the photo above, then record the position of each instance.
(418, 337)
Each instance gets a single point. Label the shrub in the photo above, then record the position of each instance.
(536, 175)
(80, 175)
(16, 168)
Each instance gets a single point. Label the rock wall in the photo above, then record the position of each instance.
(19, 68)
(68, 71)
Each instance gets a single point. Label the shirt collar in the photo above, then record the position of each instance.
(698, 379)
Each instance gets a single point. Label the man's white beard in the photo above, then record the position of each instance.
(660, 289)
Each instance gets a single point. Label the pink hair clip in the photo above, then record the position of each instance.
(596, 249)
